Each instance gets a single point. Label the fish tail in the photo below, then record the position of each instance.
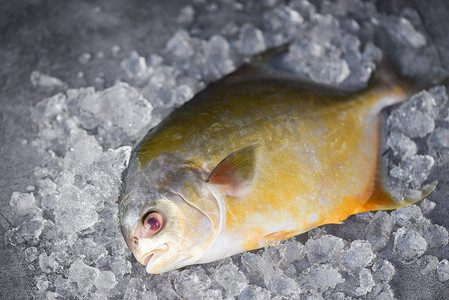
(382, 200)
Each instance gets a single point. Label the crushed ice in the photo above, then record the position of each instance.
(69, 228)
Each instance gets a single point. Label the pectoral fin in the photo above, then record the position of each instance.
(234, 174)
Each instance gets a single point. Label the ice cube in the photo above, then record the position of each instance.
(415, 117)
(134, 289)
(191, 281)
(186, 14)
(441, 100)
(316, 232)
(251, 40)
(30, 254)
(212, 295)
(377, 232)
(383, 270)
(337, 296)
(279, 284)
(435, 235)
(443, 270)
(365, 216)
(325, 249)
(254, 292)
(105, 281)
(321, 63)
(48, 264)
(115, 50)
(284, 19)
(135, 66)
(48, 193)
(63, 287)
(114, 161)
(118, 112)
(426, 102)
(156, 60)
(42, 283)
(218, 59)
(126, 107)
(159, 90)
(179, 46)
(39, 79)
(405, 33)
(439, 138)
(303, 7)
(257, 267)
(408, 245)
(23, 204)
(413, 170)
(30, 188)
(371, 53)
(320, 278)
(428, 264)
(427, 206)
(89, 249)
(407, 42)
(82, 153)
(74, 213)
(230, 279)
(182, 94)
(28, 232)
(294, 251)
(366, 280)
(413, 123)
(275, 254)
(401, 144)
(407, 215)
(165, 289)
(84, 58)
(119, 265)
(358, 256)
(345, 8)
(328, 70)
(83, 275)
(48, 109)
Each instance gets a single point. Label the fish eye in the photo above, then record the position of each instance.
(153, 222)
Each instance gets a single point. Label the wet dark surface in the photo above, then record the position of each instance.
(50, 35)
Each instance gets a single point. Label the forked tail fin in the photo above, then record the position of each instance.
(382, 200)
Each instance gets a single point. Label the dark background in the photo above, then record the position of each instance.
(50, 35)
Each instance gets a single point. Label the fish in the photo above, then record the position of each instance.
(255, 158)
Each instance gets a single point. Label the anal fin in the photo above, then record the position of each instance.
(274, 238)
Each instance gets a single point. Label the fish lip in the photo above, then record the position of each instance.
(149, 258)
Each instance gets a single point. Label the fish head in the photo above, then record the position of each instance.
(168, 213)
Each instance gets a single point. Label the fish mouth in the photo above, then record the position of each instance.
(149, 258)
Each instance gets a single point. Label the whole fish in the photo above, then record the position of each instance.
(251, 160)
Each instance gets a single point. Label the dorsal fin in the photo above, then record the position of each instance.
(235, 173)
